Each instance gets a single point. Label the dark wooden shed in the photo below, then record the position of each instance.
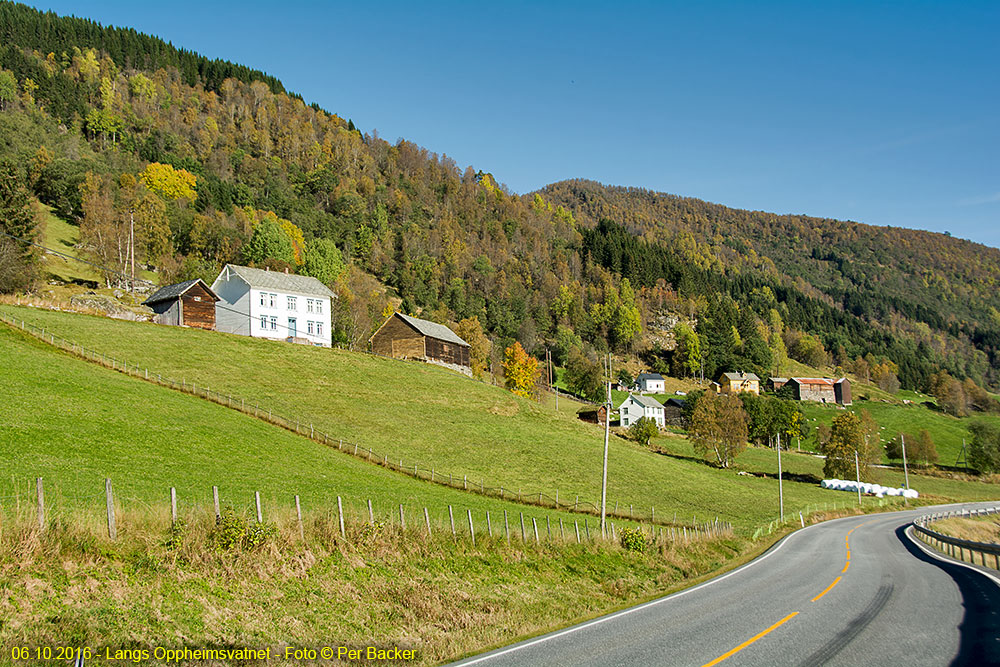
(595, 414)
(188, 304)
(405, 337)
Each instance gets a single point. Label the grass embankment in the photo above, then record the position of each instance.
(384, 587)
(974, 528)
(74, 423)
(427, 415)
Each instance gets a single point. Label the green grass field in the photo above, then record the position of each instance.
(74, 423)
(427, 415)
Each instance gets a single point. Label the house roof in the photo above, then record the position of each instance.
(280, 281)
(815, 381)
(676, 402)
(648, 376)
(741, 377)
(644, 401)
(587, 409)
(168, 292)
(433, 329)
(774, 379)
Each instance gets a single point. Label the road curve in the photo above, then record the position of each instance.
(851, 591)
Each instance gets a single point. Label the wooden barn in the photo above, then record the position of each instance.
(594, 414)
(821, 390)
(187, 304)
(405, 337)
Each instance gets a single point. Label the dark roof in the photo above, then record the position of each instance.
(676, 402)
(174, 291)
(587, 409)
(650, 376)
(279, 281)
(433, 329)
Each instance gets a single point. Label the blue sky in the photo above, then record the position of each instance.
(879, 112)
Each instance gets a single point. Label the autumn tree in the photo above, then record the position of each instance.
(323, 261)
(103, 232)
(719, 428)
(924, 450)
(584, 375)
(850, 435)
(521, 371)
(687, 355)
(480, 347)
(171, 184)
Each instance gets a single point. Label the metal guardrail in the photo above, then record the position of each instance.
(950, 544)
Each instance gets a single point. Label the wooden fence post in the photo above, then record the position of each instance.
(298, 515)
(215, 499)
(472, 531)
(256, 500)
(402, 518)
(451, 515)
(506, 527)
(39, 489)
(577, 524)
(586, 526)
(534, 526)
(427, 519)
(371, 514)
(173, 505)
(523, 538)
(548, 527)
(340, 514)
(489, 526)
(110, 498)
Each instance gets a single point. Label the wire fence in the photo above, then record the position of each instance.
(48, 506)
(306, 428)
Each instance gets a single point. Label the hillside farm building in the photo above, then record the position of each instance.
(405, 337)
(821, 390)
(187, 304)
(734, 383)
(273, 304)
(594, 414)
(635, 408)
(651, 383)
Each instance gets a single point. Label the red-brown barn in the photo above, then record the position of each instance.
(188, 304)
(405, 337)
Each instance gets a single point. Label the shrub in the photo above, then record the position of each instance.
(235, 532)
(642, 430)
(632, 539)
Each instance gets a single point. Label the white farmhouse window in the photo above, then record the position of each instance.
(319, 306)
(274, 323)
(291, 303)
(263, 299)
(309, 326)
(625, 423)
(271, 298)
(624, 411)
(319, 328)
(309, 307)
(263, 321)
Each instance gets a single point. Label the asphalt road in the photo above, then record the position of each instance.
(853, 591)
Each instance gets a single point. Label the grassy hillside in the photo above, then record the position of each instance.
(427, 415)
(74, 423)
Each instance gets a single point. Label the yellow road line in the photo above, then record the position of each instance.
(827, 589)
(750, 641)
(846, 565)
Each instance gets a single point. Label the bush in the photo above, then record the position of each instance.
(234, 532)
(642, 430)
(632, 539)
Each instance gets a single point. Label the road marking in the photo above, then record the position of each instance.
(827, 589)
(846, 565)
(751, 640)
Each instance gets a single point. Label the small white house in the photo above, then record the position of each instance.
(651, 383)
(635, 408)
(273, 304)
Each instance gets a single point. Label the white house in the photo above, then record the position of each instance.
(635, 408)
(273, 304)
(651, 383)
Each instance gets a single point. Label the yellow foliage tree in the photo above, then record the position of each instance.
(298, 240)
(520, 370)
(168, 182)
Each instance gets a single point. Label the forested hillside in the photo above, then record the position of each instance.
(217, 163)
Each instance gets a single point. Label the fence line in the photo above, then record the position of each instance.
(307, 429)
(351, 518)
(943, 542)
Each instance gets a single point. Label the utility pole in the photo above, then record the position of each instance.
(781, 494)
(604, 474)
(857, 471)
(131, 245)
(906, 474)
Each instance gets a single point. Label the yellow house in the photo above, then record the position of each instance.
(733, 383)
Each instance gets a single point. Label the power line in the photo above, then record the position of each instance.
(104, 268)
